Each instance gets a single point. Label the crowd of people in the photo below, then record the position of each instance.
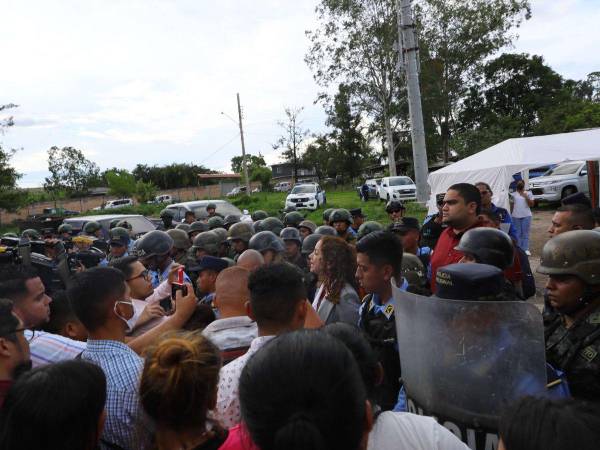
(281, 333)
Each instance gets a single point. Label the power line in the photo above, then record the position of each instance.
(220, 148)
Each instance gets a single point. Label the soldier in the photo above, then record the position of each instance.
(229, 220)
(94, 230)
(190, 217)
(341, 221)
(113, 223)
(272, 224)
(326, 230)
(211, 211)
(433, 225)
(269, 245)
(206, 243)
(259, 215)
(395, 210)
(225, 250)
(415, 274)
(184, 227)
(293, 246)
(118, 244)
(181, 245)
(358, 218)
(293, 219)
(65, 232)
(31, 234)
(368, 227)
(167, 215)
(306, 228)
(216, 222)
(196, 228)
(154, 251)
(408, 230)
(239, 236)
(326, 215)
(572, 262)
(379, 263)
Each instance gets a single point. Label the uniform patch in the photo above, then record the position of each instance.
(389, 310)
(588, 353)
(594, 318)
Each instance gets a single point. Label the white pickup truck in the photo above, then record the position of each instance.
(561, 181)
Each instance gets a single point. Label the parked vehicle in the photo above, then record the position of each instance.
(139, 224)
(533, 173)
(282, 186)
(373, 184)
(199, 207)
(561, 181)
(306, 196)
(397, 188)
(165, 198)
(114, 204)
(236, 191)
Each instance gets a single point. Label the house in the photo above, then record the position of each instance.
(285, 172)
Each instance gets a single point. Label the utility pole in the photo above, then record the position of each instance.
(244, 164)
(409, 61)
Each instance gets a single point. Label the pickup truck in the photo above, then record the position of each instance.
(561, 181)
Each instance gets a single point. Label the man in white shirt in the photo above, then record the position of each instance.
(278, 304)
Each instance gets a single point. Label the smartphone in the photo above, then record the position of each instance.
(178, 284)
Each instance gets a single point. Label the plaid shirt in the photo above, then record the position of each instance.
(123, 369)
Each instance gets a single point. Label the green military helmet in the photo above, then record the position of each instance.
(293, 219)
(211, 206)
(341, 215)
(266, 240)
(154, 243)
(308, 224)
(10, 234)
(207, 241)
(215, 222)
(221, 233)
(413, 270)
(230, 219)
(30, 233)
(291, 234)
(368, 227)
(180, 238)
(259, 215)
(167, 212)
(185, 227)
(65, 228)
(326, 214)
(288, 209)
(309, 243)
(573, 253)
(118, 232)
(272, 224)
(325, 230)
(197, 226)
(124, 224)
(114, 223)
(91, 227)
(242, 231)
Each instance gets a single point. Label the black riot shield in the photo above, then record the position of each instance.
(464, 361)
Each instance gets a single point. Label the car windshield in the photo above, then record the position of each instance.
(304, 189)
(400, 181)
(224, 209)
(564, 169)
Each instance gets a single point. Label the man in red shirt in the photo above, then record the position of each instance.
(462, 205)
(14, 348)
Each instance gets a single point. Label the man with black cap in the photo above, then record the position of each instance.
(433, 226)
(119, 243)
(154, 251)
(208, 268)
(408, 230)
(358, 218)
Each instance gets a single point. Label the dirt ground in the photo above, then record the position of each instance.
(537, 238)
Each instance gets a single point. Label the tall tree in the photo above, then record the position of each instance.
(355, 43)
(11, 198)
(120, 182)
(251, 160)
(292, 138)
(320, 154)
(70, 170)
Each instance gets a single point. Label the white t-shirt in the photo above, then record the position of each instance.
(400, 430)
(520, 206)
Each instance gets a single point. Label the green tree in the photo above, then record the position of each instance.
(320, 154)
(120, 183)
(251, 160)
(263, 175)
(144, 191)
(70, 171)
(11, 198)
(292, 138)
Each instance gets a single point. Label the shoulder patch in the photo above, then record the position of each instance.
(588, 353)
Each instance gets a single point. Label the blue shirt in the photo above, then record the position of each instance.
(158, 278)
(123, 369)
(505, 217)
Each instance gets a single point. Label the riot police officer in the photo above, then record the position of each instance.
(293, 246)
(572, 262)
(395, 210)
(239, 236)
(206, 243)
(341, 220)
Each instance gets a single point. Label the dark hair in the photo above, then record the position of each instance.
(91, 294)
(275, 291)
(469, 194)
(543, 424)
(13, 279)
(190, 213)
(355, 340)
(581, 215)
(202, 316)
(303, 390)
(339, 266)
(483, 183)
(494, 217)
(8, 322)
(54, 406)
(124, 265)
(61, 312)
(382, 247)
(596, 214)
(180, 375)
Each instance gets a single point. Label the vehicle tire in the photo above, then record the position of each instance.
(569, 190)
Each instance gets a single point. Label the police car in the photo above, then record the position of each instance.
(306, 196)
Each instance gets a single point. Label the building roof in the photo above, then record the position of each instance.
(216, 176)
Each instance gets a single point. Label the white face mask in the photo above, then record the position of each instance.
(129, 322)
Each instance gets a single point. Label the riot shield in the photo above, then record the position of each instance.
(464, 361)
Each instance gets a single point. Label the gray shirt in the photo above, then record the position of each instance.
(232, 332)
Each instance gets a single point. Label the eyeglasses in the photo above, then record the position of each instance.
(17, 330)
(144, 274)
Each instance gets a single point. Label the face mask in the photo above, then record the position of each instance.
(129, 322)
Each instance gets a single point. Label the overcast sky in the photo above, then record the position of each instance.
(145, 81)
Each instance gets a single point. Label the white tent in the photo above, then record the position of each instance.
(497, 164)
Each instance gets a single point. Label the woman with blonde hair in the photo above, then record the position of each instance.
(334, 262)
(177, 389)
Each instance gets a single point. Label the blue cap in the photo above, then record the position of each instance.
(208, 263)
(123, 241)
(469, 281)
